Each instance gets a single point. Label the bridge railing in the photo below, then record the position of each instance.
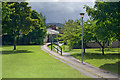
(59, 48)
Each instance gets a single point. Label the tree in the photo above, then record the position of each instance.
(18, 19)
(43, 17)
(38, 34)
(105, 22)
(70, 33)
(87, 33)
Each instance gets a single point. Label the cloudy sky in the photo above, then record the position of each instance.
(58, 12)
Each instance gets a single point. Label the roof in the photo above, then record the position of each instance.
(50, 31)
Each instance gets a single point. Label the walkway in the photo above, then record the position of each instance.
(84, 68)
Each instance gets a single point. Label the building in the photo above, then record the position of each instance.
(52, 35)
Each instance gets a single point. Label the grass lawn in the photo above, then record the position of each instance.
(31, 62)
(109, 61)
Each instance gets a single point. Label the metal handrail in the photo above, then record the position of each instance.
(56, 48)
(60, 50)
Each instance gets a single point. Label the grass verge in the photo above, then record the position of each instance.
(31, 62)
(110, 61)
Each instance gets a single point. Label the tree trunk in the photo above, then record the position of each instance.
(63, 47)
(84, 50)
(109, 46)
(102, 50)
(14, 43)
(84, 46)
(103, 46)
(70, 48)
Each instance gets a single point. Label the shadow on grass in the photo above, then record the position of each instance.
(15, 52)
(113, 67)
(107, 50)
(67, 51)
(98, 56)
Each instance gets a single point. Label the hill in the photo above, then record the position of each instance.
(57, 24)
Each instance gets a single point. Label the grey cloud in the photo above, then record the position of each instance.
(57, 12)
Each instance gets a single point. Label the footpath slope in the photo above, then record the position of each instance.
(85, 68)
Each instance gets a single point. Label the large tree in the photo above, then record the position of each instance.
(105, 17)
(17, 19)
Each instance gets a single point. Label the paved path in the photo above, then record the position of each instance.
(85, 68)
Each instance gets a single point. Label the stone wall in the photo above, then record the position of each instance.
(115, 44)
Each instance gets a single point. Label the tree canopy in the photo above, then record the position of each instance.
(72, 33)
(105, 17)
(17, 18)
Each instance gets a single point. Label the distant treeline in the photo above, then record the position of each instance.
(22, 40)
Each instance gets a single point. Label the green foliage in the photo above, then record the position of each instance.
(18, 19)
(105, 17)
(17, 15)
(72, 33)
(5, 17)
(43, 17)
(38, 34)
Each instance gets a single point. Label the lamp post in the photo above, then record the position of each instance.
(82, 15)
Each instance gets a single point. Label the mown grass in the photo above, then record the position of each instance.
(110, 61)
(32, 62)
